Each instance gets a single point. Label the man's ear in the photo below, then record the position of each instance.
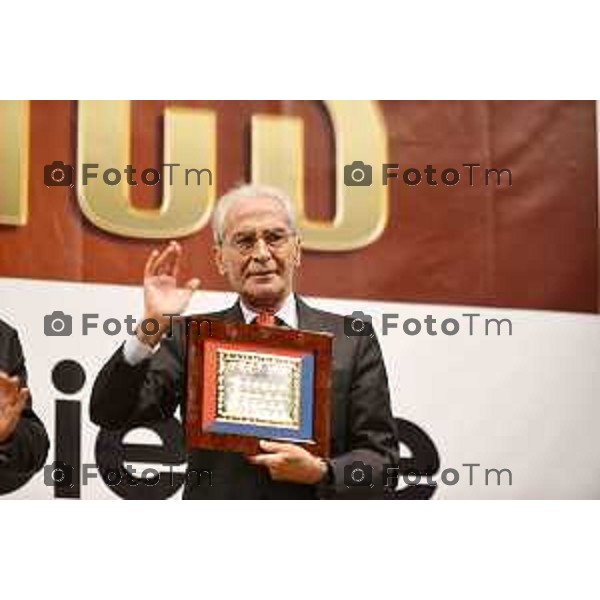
(218, 256)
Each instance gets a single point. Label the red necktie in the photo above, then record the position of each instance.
(265, 318)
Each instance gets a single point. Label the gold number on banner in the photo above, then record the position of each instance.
(104, 139)
(361, 210)
(14, 161)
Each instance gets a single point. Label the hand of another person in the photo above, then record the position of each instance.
(162, 296)
(12, 402)
(288, 462)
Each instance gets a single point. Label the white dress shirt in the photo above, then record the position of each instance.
(288, 312)
(135, 351)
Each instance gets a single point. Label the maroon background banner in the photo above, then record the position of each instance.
(533, 244)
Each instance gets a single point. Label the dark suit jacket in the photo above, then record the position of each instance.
(25, 453)
(362, 424)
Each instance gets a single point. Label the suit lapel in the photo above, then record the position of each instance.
(309, 318)
(233, 314)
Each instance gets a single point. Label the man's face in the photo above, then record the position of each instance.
(259, 253)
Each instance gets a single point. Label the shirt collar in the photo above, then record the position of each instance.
(288, 312)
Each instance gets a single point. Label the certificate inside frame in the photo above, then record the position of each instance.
(285, 375)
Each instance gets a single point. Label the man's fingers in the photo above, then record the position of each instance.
(170, 262)
(7, 380)
(163, 264)
(23, 395)
(9, 387)
(12, 411)
(19, 397)
(269, 446)
(193, 284)
(279, 453)
(149, 268)
(264, 460)
(5, 384)
(176, 260)
(159, 263)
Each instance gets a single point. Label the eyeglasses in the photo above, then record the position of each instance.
(275, 239)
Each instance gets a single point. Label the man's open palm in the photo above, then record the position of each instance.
(12, 402)
(162, 296)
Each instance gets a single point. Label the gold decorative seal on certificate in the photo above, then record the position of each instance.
(259, 388)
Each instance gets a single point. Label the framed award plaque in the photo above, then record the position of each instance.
(251, 382)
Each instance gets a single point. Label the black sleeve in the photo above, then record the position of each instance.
(26, 451)
(372, 432)
(125, 394)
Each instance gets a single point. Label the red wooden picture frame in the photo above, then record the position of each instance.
(199, 330)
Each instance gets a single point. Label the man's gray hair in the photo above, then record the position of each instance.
(226, 201)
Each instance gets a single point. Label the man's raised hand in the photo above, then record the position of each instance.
(162, 295)
(12, 402)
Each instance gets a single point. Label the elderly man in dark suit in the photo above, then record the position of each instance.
(23, 438)
(257, 247)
